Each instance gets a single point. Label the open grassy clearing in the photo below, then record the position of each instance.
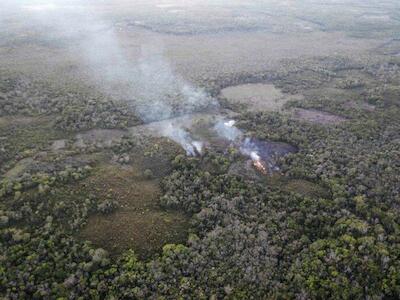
(138, 222)
(258, 97)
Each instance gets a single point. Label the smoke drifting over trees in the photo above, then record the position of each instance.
(148, 84)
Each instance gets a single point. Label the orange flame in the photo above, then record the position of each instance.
(259, 165)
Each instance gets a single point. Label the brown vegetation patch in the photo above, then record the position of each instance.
(146, 232)
(99, 137)
(360, 105)
(16, 120)
(124, 185)
(138, 223)
(317, 116)
(306, 188)
(258, 96)
(19, 168)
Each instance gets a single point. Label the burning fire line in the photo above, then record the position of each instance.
(258, 163)
(225, 129)
(246, 147)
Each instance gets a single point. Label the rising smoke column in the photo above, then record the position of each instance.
(149, 84)
(182, 137)
(227, 130)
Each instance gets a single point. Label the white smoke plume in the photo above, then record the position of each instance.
(182, 137)
(250, 149)
(227, 130)
(149, 83)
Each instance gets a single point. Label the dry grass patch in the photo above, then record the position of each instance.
(317, 116)
(258, 96)
(138, 223)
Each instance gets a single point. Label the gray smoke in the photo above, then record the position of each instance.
(149, 83)
(248, 148)
(182, 137)
(227, 130)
